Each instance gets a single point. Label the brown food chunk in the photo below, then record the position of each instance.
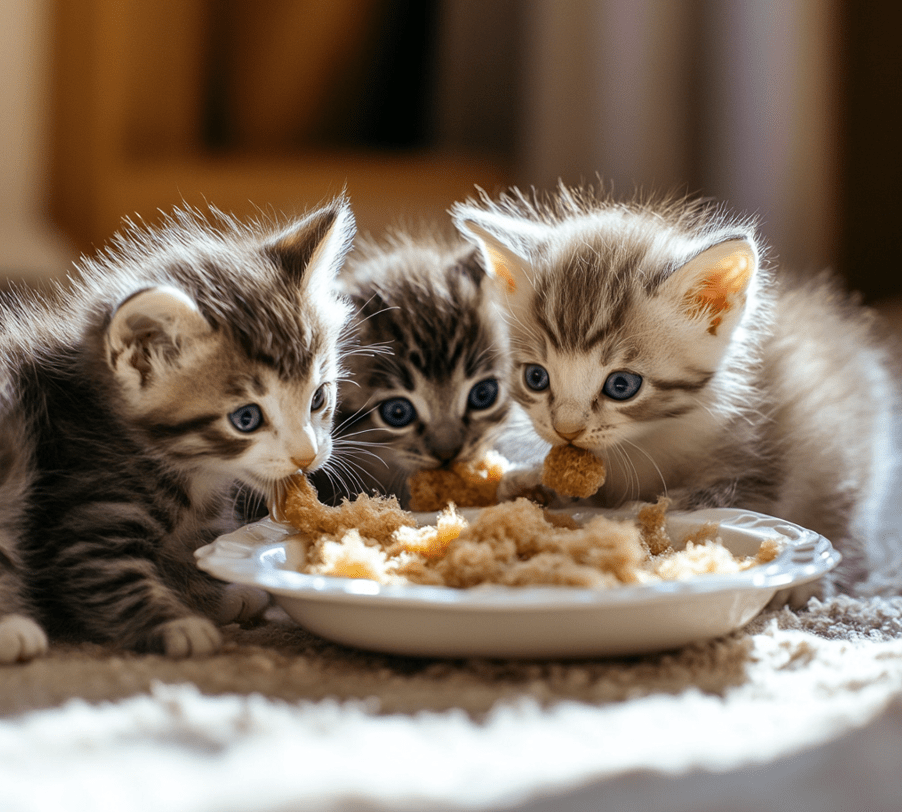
(375, 517)
(463, 484)
(573, 471)
(652, 521)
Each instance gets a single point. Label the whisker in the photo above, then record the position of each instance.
(355, 416)
(651, 459)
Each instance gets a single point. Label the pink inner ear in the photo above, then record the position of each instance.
(499, 266)
(719, 288)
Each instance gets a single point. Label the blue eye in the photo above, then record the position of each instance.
(247, 419)
(536, 377)
(319, 398)
(622, 385)
(397, 412)
(483, 394)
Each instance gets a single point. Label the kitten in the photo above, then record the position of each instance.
(181, 361)
(427, 385)
(656, 335)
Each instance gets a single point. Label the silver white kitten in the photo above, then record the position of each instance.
(657, 335)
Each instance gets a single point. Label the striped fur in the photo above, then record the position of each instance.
(117, 455)
(744, 398)
(428, 330)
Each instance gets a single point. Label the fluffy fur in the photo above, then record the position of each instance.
(428, 382)
(178, 362)
(656, 334)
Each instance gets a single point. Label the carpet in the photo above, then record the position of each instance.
(282, 720)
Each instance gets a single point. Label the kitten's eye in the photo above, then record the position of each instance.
(398, 412)
(247, 419)
(319, 399)
(536, 377)
(483, 394)
(622, 385)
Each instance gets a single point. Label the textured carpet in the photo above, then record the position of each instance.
(282, 720)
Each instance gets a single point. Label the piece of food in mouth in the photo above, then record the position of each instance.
(572, 471)
(463, 484)
(376, 517)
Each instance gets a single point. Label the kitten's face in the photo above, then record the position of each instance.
(616, 330)
(430, 423)
(439, 395)
(242, 387)
(220, 413)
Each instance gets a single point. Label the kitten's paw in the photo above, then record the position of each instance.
(21, 639)
(191, 636)
(527, 482)
(240, 603)
(796, 597)
(520, 482)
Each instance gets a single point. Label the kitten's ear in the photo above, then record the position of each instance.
(472, 265)
(153, 327)
(712, 287)
(503, 261)
(312, 249)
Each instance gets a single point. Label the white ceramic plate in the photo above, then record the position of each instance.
(526, 622)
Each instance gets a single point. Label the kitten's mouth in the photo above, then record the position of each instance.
(582, 447)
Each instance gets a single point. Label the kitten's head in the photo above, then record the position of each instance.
(434, 389)
(625, 318)
(224, 352)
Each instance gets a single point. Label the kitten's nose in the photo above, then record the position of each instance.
(447, 453)
(303, 463)
(569, 436)
(305, 448)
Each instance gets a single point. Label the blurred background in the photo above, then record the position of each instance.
(785, 109)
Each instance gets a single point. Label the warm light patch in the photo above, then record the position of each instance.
(431, 541)
(719, 287)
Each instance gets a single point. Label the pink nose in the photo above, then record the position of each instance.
(303, 463)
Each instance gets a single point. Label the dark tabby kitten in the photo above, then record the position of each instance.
(656, 335)
(427, 386)
(181, 361)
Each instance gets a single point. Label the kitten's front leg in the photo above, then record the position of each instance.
(224, 603)
(715, 495)
(116, 592)
(527, 482)
(21, 639)
(190, 636)
(239, 603)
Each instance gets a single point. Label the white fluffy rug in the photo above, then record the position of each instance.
(297, 724)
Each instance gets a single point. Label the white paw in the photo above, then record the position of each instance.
(189, 637)
(240, 603)
(21, 639)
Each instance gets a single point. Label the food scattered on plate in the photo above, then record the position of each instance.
(514, 543)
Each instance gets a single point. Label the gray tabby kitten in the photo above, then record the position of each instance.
(656, 335)
(427, 386)
(181, 361)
